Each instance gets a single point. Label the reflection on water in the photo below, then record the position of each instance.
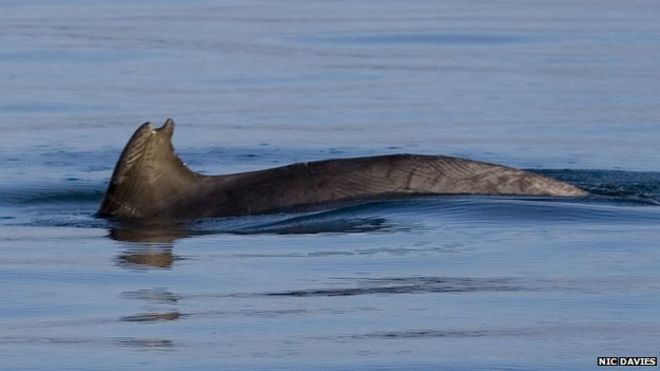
(412, 285)
(150, 245)
(440, 333)
(151, 317)
(152, 296)
(146, 344)
(151, 233)
(147, 256)
(167, 232)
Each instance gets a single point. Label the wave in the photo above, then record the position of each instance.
(613, 185)
(610, 185)
(616, 197)
(46, 193)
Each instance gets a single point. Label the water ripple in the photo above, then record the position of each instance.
(616, 197)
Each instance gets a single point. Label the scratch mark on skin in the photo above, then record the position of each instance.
(410, 177)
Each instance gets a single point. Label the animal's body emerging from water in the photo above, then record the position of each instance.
(150, 181)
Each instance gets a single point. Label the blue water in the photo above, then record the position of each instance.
(570, 90)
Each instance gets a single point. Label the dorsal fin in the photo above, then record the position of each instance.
(147, 176)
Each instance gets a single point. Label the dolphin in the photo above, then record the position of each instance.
(150, 181)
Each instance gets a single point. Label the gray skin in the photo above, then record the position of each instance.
(150, 181)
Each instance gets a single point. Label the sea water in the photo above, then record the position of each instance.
(568, 89)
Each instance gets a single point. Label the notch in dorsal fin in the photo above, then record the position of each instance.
(147, 176)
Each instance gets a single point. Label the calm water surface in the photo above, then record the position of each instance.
(569, 89)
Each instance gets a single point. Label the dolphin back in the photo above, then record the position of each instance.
(376, 177)
(150, 181)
